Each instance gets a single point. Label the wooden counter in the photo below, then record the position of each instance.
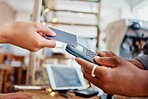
(48, 95)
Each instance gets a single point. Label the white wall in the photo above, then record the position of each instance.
(119, 4)
(6, 13)
(22, 16)
(112, 10)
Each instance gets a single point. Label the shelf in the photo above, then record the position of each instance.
(73, 8)
(87, 0)
(72, 24)
(56, 10)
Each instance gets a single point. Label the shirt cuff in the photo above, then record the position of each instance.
(144, 60)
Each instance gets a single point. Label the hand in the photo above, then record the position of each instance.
(14, 96)
(106, 54)
(111, 54)
(116, 76)
(28, 35)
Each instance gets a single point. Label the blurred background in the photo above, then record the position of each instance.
(120, 26)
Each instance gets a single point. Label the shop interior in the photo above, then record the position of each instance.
(120, 26)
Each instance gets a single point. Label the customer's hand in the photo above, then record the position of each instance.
(14, 96)
(28, 35)
(116, 76)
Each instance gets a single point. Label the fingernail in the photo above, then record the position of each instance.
(53, 33)
(99, 52)
(103, 52)
(96, 57)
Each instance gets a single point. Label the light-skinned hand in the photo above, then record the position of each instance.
(28, 35)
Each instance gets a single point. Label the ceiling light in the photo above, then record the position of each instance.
(54, 20)
(46, 10)
(43, 23)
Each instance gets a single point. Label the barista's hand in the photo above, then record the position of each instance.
(14, 96)
(116, 76)
(106, 54)
(111, 54)
(28, 35)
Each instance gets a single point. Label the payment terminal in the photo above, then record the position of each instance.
(81, 52)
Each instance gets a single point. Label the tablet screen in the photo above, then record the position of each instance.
(66, 77)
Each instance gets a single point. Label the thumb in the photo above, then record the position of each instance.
(107, 61)
(48, 43)
(44, 29)
(106, 54)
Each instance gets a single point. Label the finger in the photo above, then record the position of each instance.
(101, 53)
(44, 29)
(87, 66)
(48, 43)
(100, 72)
(107, 61)
(106, 54)
(91, 79)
